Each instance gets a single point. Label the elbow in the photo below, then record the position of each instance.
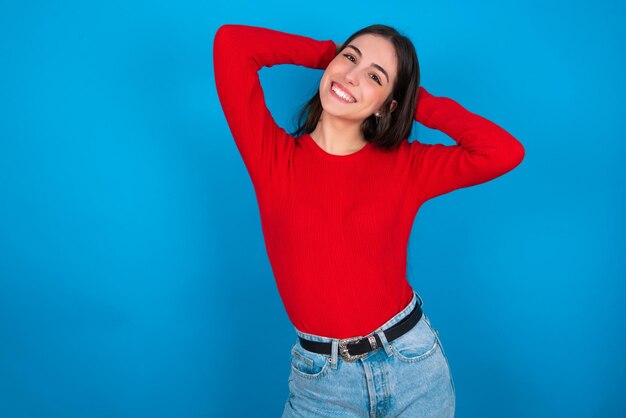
(225, 34)
(224, 47)
(224, 28)
(232, 42)
(220, 35)
(512, 156)
(506, 158)
(517, 153)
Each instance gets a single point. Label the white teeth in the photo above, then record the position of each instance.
(343, 95)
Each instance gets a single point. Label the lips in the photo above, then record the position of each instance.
(343, 89)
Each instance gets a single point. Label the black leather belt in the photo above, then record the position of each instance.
(356, 347)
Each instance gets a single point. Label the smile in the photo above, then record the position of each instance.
(340, 94)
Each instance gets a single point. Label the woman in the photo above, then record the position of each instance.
(337, 200)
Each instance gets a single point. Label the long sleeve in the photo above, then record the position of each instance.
(239, 52)
(483, 152)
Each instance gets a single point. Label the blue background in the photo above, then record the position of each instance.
(132, 266)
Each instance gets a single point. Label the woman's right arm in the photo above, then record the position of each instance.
(239, 52)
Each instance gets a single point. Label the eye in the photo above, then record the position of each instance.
(376, 79)
(349, 56)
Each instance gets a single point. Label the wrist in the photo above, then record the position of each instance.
(424, 102)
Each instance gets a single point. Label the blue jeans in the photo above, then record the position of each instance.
(408, 377)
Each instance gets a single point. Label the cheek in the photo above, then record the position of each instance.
(374, 96)
(333, 67)
(338, 67)
(324, 87)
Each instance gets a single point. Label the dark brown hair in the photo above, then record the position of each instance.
(392, 127)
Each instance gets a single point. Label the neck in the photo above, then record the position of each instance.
(338, 136)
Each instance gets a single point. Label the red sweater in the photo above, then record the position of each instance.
(336, 228)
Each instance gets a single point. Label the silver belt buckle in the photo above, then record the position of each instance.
(343, 349)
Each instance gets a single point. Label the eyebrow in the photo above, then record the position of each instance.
(358, 51)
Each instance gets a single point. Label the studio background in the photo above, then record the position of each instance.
(133, 272)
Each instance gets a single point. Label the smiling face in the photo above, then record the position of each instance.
(358, 81)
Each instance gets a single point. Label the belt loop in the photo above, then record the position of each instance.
(420, 299)
(334, 353)
(383, 339)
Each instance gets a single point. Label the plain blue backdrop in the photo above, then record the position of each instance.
(132, 266)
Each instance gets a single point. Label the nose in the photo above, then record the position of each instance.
(352, 77)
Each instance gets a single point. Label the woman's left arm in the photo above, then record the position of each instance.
(483, 152)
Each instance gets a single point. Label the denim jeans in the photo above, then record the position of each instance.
(407, 377)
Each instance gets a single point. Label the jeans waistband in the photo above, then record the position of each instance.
(391, 322)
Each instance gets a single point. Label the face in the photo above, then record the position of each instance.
(363, 73)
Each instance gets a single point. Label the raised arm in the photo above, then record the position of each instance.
(239, 52)
(483, 152)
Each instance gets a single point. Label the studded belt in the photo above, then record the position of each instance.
(354, 348)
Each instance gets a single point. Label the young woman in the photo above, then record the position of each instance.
(337, 200)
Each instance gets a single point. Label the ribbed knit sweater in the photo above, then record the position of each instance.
(336, 227)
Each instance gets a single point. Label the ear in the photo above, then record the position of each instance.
(393, 105)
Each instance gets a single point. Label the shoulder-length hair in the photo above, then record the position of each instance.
(391, 128)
